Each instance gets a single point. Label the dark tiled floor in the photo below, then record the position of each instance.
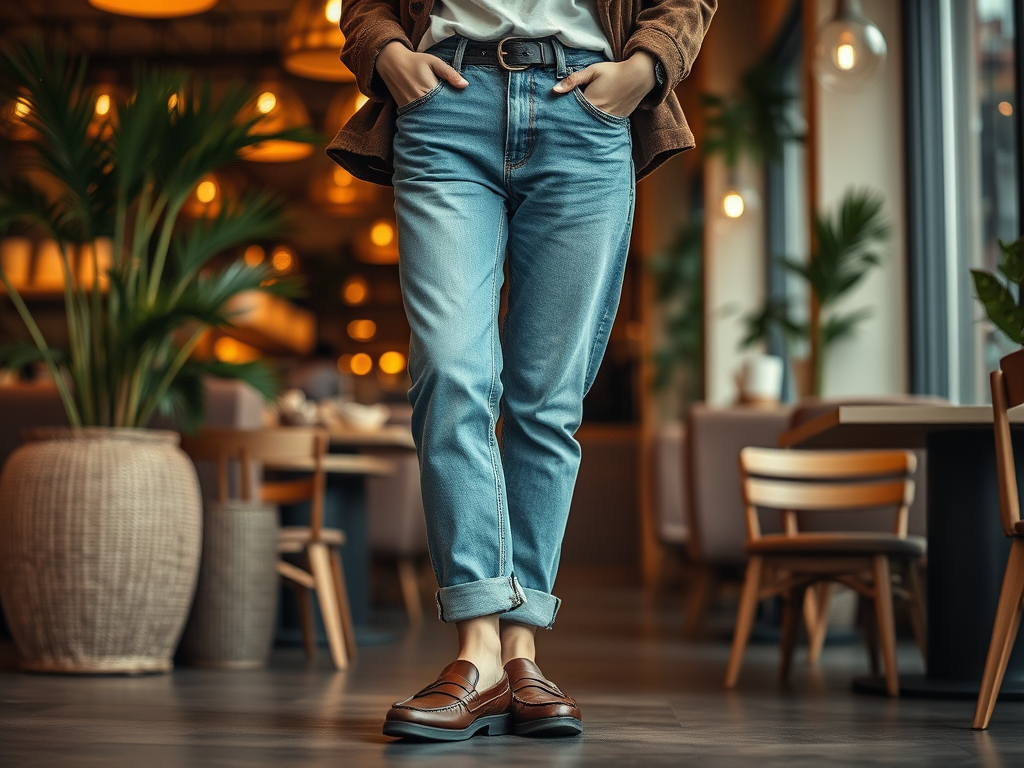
(647, 700)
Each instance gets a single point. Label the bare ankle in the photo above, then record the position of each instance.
(518, 641)
(480, 644)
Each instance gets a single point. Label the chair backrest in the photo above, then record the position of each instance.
(825, 481)
(252, 448)
(1002, 401)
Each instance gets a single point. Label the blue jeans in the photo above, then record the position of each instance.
(506, 166)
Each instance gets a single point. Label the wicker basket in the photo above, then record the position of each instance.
(232, 621)
(100, 536)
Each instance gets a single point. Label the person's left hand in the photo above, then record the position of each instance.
(615, 87)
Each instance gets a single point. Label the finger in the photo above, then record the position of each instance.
(445, 71)
(582, 77)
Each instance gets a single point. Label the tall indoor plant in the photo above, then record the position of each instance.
(845, 252)
(100, 524)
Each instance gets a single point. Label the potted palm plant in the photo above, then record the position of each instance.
(844, 254)
(100, 524)
(1003, 301)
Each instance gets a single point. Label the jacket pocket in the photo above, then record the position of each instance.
(419, 102)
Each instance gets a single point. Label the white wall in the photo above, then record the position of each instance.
(861, 144)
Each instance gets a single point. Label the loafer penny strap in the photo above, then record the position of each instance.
(522, 683)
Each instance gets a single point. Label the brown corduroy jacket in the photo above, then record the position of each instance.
(670, 30)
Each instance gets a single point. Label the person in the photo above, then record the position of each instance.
(512, 132)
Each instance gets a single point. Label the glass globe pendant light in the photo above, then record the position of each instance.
(154, 9)
(850, 52)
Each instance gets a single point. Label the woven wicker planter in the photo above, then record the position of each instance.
(232, 621)
(100, 535)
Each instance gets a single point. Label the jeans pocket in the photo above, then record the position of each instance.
(600, 114)
(419, 102)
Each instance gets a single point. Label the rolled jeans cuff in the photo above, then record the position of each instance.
(479, 598)
(539, 610)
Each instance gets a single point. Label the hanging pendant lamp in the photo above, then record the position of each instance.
(279, 108)
(154, 9)
(313, 42)
(850, 51)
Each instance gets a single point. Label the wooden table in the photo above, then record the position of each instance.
(386, 437)
(337, 464)
(967, 549)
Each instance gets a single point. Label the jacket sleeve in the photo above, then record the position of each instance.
(672, 32)
(369, 25)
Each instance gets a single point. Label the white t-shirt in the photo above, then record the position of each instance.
(573, 22)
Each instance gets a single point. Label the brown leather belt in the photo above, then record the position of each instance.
(512, 53)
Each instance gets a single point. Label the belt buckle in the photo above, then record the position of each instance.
(501, 55)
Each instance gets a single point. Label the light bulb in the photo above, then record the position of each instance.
(266, 102)
(333, 11)
(732, 204)
(206, 192)
(850, 52)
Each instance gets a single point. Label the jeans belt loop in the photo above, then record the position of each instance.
(460, 50)
(561, 70)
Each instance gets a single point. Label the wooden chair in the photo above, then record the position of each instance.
(788, 563)
(1006, 394)
(253, 449)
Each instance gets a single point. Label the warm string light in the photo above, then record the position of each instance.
(382, 233)
(254, 255)
(282, 258)
(391, 362)
(362, 330)
(355, 291)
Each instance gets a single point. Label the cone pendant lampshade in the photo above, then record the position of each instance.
(154, 9)
(313, 42)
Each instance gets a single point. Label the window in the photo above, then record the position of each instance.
(963, 179)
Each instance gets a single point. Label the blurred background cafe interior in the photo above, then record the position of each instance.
(795, 533)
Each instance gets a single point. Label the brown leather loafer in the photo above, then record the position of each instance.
(451, 708)
(538, 707)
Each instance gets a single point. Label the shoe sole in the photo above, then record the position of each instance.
(549, 727)
(491, 725)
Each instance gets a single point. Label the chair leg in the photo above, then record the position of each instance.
(323, 579)
(1004, 632)
(791, 615)
(344, 607)
(744, 619)
(816, 632)
(410, 590)
(870, 627)
(918, 621)
(306, 618)
(882, 577)
(700, 599)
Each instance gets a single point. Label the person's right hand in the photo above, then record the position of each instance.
(409, 75)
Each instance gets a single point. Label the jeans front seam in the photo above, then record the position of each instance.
(531, 134)
(491, 404)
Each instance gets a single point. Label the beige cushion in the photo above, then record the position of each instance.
(715, 437)
(871, 543)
